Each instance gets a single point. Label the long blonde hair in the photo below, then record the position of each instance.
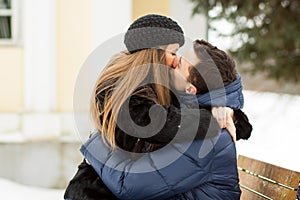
(121, 78)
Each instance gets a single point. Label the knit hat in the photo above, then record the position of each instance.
(152, 31)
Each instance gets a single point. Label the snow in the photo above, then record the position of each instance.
(13, 191)
(275, 139)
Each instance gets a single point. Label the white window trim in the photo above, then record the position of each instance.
(13, 12)
(39, 38)
(39, 43)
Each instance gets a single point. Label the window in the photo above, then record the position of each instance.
(7, 22)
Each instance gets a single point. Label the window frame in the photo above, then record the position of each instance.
(13, 14)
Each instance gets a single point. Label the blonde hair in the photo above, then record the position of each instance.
(120, 79)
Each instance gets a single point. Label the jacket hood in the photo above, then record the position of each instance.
(230, 96)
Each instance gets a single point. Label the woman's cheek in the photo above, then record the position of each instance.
(169, 60)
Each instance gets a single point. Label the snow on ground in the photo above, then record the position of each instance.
(275, 139)
(10, 190)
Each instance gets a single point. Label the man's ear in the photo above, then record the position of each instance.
(191, 89)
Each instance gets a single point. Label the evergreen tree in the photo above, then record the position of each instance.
(268, 30)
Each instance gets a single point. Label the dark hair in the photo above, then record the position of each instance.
(214, 64)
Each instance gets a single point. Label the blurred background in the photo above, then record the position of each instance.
(44, 43)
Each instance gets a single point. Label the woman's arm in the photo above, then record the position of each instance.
(242, 124)
(86, 184)
(191, 123)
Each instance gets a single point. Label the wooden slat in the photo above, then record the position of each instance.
(248, 195)
(277, 174)
(262, 186)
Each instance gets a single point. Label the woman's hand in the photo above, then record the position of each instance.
(224, 116)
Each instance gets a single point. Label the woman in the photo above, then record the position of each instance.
(123, 77)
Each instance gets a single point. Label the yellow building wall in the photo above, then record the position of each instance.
(73, 46)
(143, 7)
(11, 78)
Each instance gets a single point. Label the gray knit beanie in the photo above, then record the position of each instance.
(152, 31)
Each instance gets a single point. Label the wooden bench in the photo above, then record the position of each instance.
(260, 180)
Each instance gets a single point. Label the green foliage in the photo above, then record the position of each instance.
(269, 31)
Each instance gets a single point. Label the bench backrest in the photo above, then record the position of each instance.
(260, 180)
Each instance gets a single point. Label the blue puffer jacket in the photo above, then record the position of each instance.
(201, 169)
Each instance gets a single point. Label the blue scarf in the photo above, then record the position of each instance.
(230, 96)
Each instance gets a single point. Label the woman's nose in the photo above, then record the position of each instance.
(176, 62)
